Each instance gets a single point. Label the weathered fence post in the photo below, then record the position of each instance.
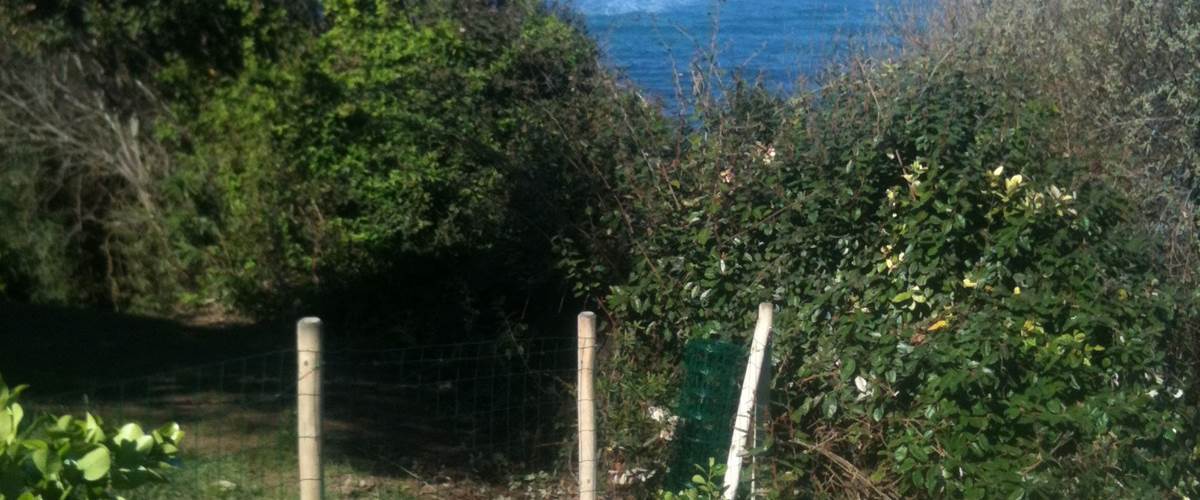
(762, 415)
(308, 407)
(741, 425)
(587, 406)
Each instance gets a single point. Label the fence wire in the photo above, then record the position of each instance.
(238, 417)
(463, 420)
(459, 420)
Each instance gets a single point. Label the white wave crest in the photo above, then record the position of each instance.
(619, 7)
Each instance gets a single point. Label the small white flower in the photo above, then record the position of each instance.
(1152, 393)
(769, 155)
(630, 476)
(864, 388)
(658, 414)
(662, 416)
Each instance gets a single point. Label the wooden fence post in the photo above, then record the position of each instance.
(585, 398)
(762, 415)
(741, 425)
(308, 407)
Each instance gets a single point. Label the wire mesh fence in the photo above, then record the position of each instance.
(707, 403)
(462, 420)
(238, 416)
(452, 418)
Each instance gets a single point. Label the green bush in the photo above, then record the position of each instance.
(1123, 77)
(425, 155)
(35, 264)
(285, 155)
(67, 458)
(963, 310)
(87, 88)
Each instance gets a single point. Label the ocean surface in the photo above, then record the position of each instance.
(782, 41)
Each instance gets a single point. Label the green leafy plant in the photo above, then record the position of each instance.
(70, 458)
(707, 484)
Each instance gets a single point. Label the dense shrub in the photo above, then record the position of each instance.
(411, 164)
(1124, 77)
(34, 265)
(963, 310)
(85, 90)
(284, 157)
(180, 48)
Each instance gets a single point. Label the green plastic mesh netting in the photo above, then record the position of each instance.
(712, 372)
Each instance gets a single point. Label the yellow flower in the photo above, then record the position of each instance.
(1031, 327)
(1016, 290)
(966, 282)
(892, 262)
(1013, 183)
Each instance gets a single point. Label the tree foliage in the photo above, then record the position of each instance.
(423, 154)
(85, 91)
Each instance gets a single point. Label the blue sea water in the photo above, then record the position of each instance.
(781, 41)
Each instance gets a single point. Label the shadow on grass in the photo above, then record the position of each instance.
(469, 410)
(56, 349)
(446, 421)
